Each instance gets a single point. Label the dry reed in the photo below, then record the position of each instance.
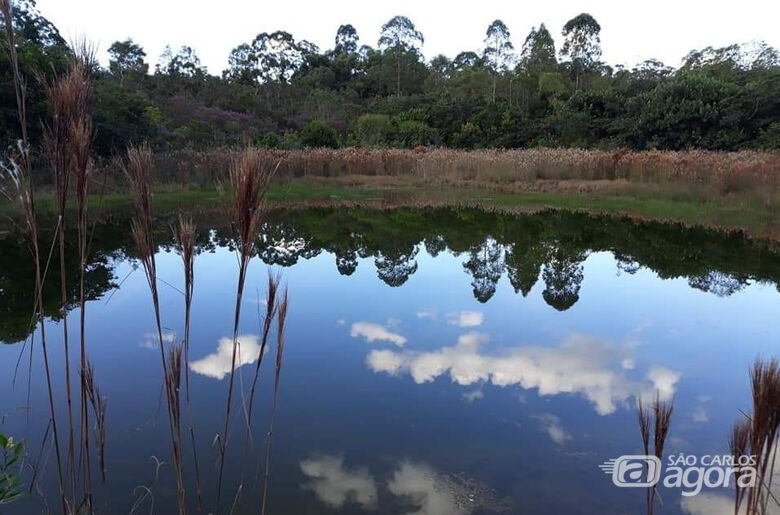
(184, 235)
(660, 416)
(99, 405)
(281, 319)
(754, 174)
(249, 178)
(644, 420)
(138, 171)
(762, 432)
(739, 442)
(270, 313)
(19, 187)
(173, 389)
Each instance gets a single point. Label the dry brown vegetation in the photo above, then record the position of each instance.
(746, 174)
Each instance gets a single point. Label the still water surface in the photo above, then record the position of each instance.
(437, 362)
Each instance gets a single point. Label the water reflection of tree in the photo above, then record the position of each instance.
(17, 283)
(523, 266)
(563, 275)
(554, 242)
(396, 266)
(284, 245)
(718, 283)
(486, 266)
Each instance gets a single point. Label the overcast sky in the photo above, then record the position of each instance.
(631, 31)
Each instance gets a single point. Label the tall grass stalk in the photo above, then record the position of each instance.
(173, 389)
(80, 146)
(19, 187)
(659, 417)
(184, 234)
(138, 171)
(645, 420)
(662, 414)
(270, 313)
(99, 405)
(60, 94)
(739, 443)
(759, 434)
(249, 178)
(281, 319)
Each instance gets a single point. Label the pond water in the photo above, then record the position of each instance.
(436, 361)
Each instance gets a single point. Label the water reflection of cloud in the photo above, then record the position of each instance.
(552, 425)
(334, 484)
(419, 483)
(375, 332)
(427, 313)
(473, 395)
(581, 364)
(217, 365)
(707, 503)
(152, 340)
(466, 318)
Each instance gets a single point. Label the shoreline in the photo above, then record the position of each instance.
(755, 221)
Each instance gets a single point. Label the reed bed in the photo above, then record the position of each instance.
(722, 173)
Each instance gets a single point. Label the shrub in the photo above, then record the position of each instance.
(412, 133)
(373, 130)
(270, 140)
(317, 134)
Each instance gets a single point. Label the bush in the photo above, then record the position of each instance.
(373, 130)
(412, 133)
(270, 140)
(317, 134)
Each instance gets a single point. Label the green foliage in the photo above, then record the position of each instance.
(371, 130)
(412, 133)
(721, 98)
(317, 134)
(10, 483)
(122, 117)
(270, 140)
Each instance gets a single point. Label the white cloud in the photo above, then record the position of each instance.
(375, 332)
(700, 415)
(385, 361)
(217, 365)
(551, 424)
(664, 381)
(583, 365)
(334, 484)
(466, 318)
(707, 503)
(418, 483)
(428, 313)
(341, 321)
(152, 340)
(473, 396)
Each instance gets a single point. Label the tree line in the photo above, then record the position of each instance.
(283, 92)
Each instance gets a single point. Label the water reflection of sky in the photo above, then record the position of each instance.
(411, 399)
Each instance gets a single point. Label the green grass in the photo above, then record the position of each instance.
(755, 219)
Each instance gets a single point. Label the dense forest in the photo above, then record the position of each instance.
(282, 92)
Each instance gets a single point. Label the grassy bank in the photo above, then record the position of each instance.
(754, 218)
